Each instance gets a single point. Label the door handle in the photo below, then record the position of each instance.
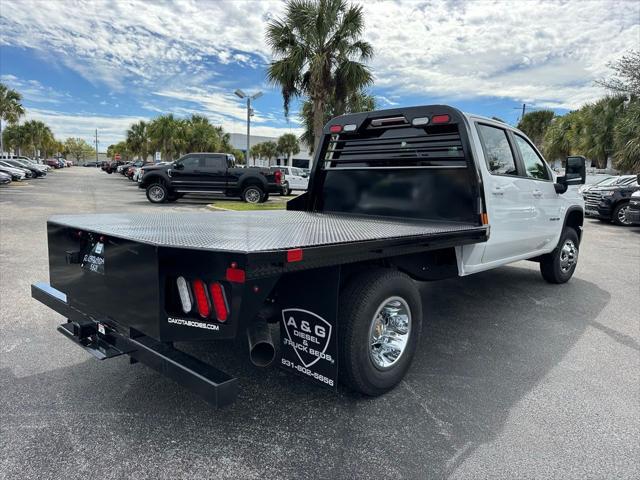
(537, 193)
(497, 191)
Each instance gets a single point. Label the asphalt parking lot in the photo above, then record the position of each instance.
(514, 378)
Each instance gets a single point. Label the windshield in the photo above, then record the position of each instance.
(605, 181)
(625, 180)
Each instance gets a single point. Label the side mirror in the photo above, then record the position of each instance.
(575, 173)
(178, 166)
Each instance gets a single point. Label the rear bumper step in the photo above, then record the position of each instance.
(215, 386)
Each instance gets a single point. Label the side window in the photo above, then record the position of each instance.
(533, 164)
(190, 163)
(497, 151)
(214, 162)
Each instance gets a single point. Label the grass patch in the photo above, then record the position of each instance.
(239, 205)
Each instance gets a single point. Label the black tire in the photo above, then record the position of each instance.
(157, 193)
(252, 194)
(553, 265)
(619, 216)
(285, 189)
(359, 301)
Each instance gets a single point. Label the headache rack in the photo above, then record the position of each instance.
(432, 146)
(412, 163)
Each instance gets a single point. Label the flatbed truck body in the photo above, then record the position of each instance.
(394, 197)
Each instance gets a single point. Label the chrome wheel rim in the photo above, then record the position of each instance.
(622, 215)
(252, 195)
(156, 193)
(568, 256)
(389, 332)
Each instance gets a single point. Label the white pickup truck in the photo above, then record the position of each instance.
(395, 197)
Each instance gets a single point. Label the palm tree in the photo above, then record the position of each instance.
(256, 152)
(269, 150)
(165, 132)
(597, 128)
(138, 139)
(358, 101)
(627, 139)
(319, 54)
(561, 138)
(36, 134)
(10, 109)
(14, 138)
(535, 124)
(288, 145)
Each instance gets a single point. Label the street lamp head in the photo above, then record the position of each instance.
(256, 95)
(240, 93)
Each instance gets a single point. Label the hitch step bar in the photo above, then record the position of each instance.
(103, 342)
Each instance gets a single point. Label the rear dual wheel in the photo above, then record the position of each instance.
(254, 194)
(380, 318)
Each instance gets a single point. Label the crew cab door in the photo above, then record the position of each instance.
(211, 173)
(183, 173)
(508, 197)
(545, 200)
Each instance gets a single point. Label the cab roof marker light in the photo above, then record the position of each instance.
(185, 294)
(440, 118)
(349, 128)
(335, 128)
(420, 121)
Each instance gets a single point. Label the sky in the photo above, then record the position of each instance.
(82, 65)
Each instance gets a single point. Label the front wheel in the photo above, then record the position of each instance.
(620, 216)
(252, 194)
(157, 193)
(380, 318)
(559, 265)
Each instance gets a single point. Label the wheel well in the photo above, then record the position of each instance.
(155, 179)
(575, 220)
(251, 182)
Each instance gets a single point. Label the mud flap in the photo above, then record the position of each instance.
(308, 325)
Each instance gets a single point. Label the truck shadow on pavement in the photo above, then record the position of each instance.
(487, 341)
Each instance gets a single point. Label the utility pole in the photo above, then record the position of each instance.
(96, 147)
(524, 109)
(239, 93)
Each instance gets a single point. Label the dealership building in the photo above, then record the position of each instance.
(239, 141)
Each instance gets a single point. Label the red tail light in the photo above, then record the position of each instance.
(219, 301)
(278, 176)
(202, 302)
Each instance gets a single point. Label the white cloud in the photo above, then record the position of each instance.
(544, 52)
(108, 42)
(111, 129)
(34, 91)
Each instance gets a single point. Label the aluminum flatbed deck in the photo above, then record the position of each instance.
(264, 231)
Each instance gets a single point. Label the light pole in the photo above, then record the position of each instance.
(255, 96)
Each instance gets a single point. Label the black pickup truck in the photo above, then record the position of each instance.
(395, 196)
(209, 173)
